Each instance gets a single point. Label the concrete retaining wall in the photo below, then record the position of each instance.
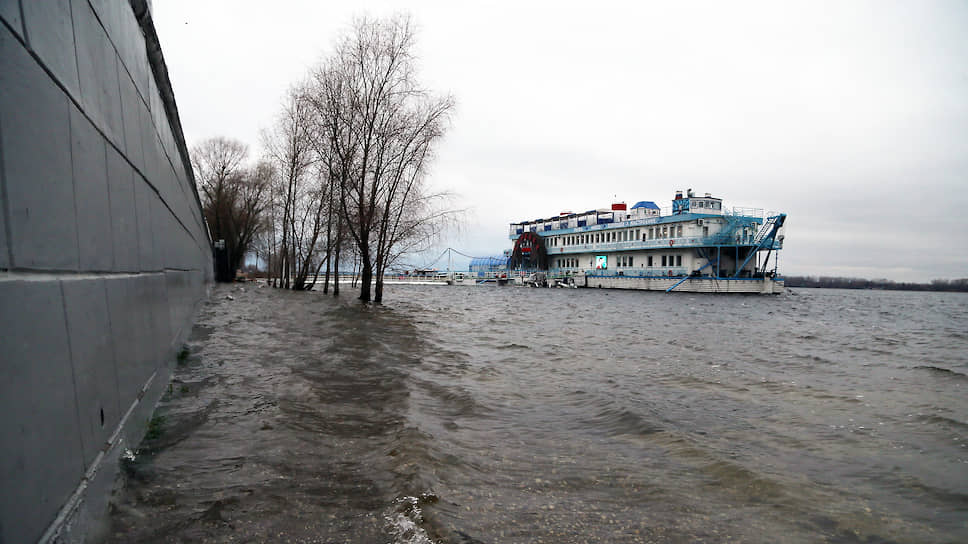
(104, 254)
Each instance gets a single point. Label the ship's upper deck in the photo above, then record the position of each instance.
(683, 209)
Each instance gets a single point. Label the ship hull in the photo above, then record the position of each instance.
(772, 286)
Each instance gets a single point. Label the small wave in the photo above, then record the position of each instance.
(943, 421)
(513, 346)
(941, 371)
(620, 421)
(405, 517)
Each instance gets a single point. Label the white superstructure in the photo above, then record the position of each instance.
(697, 244)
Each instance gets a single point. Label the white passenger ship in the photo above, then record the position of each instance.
(697, 245)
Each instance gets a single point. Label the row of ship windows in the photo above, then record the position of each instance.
(627, 235)
(626, 261)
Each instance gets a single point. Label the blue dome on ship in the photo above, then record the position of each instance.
(648, 204)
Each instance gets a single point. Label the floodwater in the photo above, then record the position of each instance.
(493, 415)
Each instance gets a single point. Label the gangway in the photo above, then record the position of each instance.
(766, 234)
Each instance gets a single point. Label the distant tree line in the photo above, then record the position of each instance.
(858, 283)
(342, 180)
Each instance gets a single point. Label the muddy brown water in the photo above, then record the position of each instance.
(487, 414)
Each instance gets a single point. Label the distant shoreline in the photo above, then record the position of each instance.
(822, 282)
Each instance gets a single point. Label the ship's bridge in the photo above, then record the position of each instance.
(693, 204)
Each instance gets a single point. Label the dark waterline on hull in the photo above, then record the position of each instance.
(485, 414)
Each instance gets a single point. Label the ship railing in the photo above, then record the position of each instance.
(726, 238)
(745, 212)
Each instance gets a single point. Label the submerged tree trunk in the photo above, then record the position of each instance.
(366, 280)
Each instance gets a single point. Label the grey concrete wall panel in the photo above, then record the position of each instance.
(91, 196)
(160, 320)
(179, 298)
(40, 453)
(124, 219)
(109, 12)
(50, 34)
(92, 358)
(131, 107)
(161, 226)
(4, 248)
(152, 166)
(129, 309)
(97, 67)
(10, 12)
(143, 196)
(133, 51)
(37, 162)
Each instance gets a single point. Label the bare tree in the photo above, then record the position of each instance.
(288, 146)
(379, 128)
(233, 199)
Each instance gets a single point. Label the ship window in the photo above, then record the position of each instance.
(630, 260)
(650, 260)
(679, 231)
(665, 232)
(663, 260)
(705, 231)
(678, 260)
(651, 233)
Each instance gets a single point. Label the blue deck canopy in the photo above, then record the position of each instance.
(488, 264)
(647, 204)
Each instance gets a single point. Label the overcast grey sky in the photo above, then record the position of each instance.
(852, 117)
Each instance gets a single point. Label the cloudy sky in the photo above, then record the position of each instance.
(852, 117)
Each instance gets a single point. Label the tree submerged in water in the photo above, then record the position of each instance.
(233, 199)
(353, 147)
